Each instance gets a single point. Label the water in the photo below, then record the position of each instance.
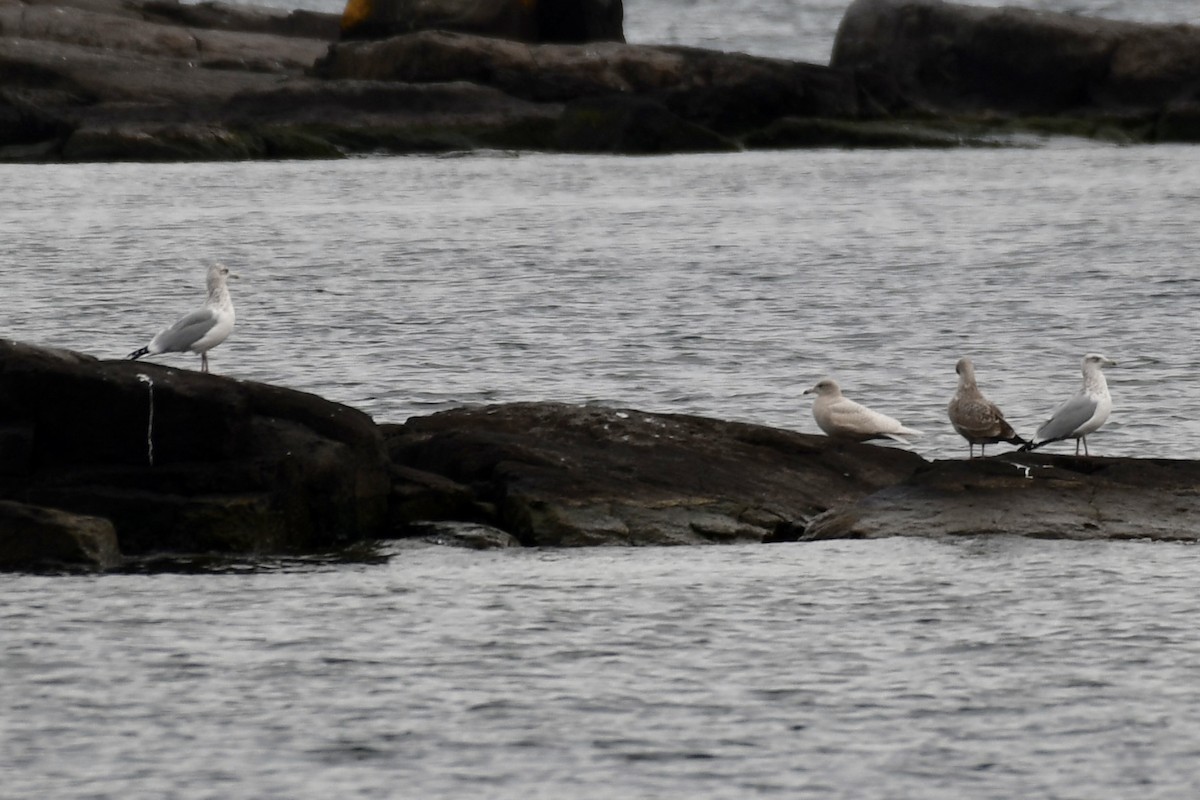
(719, 285)
(983, 668)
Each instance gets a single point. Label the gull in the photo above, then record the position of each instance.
(842, 418)
(202, 329)
(977, 419)
(1083, 413)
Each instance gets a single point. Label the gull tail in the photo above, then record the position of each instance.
(136, 354)
(1025, 448)
(899, 434)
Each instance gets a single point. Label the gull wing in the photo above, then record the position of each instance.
(188, 330)
(1067, 418)
(854, 419)
(978, 418)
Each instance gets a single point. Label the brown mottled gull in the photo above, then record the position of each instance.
(1082, 414)
(977, 419)
(842, 418)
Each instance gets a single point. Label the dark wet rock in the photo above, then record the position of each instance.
(563, 475)
(33, 538)
(632, 125)
(725, 91)
(574, 21)
(795, 132)
(1018, 61)
(181, 461)
(468, 535)
(1061, 497)
(100, 80)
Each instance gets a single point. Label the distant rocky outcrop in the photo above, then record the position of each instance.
(540, 21)
(180, 461)
(1015, 62)
(104, 80)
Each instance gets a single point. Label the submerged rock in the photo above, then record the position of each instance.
(1027, 494)
(564, 475)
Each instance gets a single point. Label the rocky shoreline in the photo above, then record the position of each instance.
(156, 80)
(107, 462)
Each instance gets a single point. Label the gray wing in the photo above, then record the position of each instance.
(184, 333)
(1067, 418)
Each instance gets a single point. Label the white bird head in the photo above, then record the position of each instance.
(1096, 361)
(217, 275)
(826, 387)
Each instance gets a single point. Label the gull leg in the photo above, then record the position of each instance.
(1085, 450)
(204, 362)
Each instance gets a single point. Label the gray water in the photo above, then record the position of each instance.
(721, 285)
(717, 285)
(981, 668)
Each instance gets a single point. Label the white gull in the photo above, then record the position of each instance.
(1082, 414)
(202, 329)
(842, 418)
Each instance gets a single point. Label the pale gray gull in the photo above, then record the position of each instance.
(1083, 413)
(842, 418)
(977, 419)
(202, 329)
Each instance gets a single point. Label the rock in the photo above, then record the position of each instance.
(471, 536)
(33, 538)
(181, 461)
(632, 125)
(794, 132)
(574, 21)
(1044, 496)
(562, 475)
(1018, 61)
(726, 91)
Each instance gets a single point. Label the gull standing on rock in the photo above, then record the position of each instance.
(977, 419)
(1083, 413)
(842, 418)
(201, 330)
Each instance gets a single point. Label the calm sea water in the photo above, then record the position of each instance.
(718, 285)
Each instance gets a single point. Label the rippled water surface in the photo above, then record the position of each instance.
(716, 285)
(721, 285)
(994, 668)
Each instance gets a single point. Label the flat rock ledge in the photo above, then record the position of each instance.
(158, 80)
(113, 464)
(1029, 494)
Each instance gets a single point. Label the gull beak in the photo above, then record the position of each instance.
(809, 391)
